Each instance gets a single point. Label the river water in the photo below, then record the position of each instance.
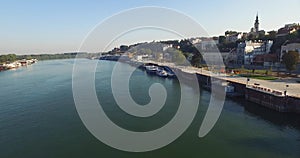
(38, 118)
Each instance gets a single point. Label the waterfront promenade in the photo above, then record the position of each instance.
(293, 88)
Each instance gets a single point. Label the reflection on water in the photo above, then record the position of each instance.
(290, 120)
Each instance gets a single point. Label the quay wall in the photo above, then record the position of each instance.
(278, 103)
(293, 104)
(274, 101)
(271, 101)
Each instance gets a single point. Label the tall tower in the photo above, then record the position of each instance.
(256, 24)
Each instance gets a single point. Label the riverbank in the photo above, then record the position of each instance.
(278, 85)
(17, 64)
(279, 95)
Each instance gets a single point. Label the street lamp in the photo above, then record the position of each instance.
(248, 79)
(285, 92)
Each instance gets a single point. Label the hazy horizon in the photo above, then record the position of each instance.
(48, 27)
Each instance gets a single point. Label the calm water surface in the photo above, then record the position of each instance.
(38, 119)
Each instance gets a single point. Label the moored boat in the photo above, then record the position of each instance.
(151, 69)
(161, 72)
(169, 71)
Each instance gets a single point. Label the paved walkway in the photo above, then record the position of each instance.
(293, 88)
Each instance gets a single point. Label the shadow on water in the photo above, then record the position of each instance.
(290, 120)
(280, 119)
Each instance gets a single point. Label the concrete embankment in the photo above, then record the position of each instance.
(267, 97)
(271, 99)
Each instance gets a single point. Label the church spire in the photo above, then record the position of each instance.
(256, 24)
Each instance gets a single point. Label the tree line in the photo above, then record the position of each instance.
(13, 57)
(47, 56)
(8, 58)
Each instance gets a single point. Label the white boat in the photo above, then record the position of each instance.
(151, 69)
(10, 66)
(161, 72)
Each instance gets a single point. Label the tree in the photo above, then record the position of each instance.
(271, 35)
(176, 55)
(28, 57)
(252, 37)
(3, 58)
(222, 39)
(8, 58)
(124, 48)
(186, 54)
(148, 51)
(141, 51)
(261, 36)
(179, 58)
(276, 46)
(292, 36)
(196, 60)
(290, 60)
(230, 33)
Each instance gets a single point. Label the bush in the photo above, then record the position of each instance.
(260, 77)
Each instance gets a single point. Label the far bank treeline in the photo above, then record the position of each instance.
(14, 57)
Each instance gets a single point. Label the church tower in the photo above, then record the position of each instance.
(256, 24)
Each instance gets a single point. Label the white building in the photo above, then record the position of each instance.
(288, 29)
(196, 40)
(141, 57)
(234, 37)
(166, 46)
(251, 49)
(208, 45)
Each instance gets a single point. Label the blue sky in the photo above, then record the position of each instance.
(51, 26)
